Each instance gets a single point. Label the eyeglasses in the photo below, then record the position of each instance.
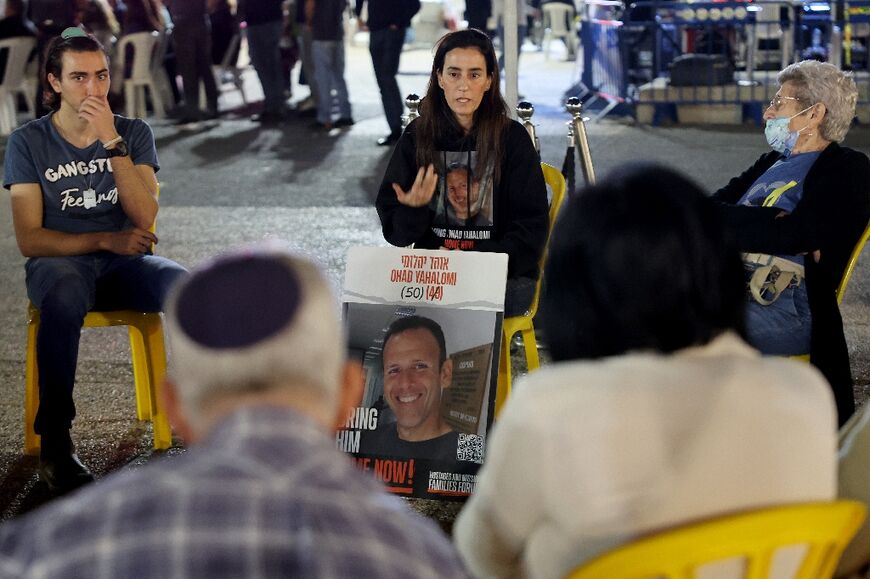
(777, 101)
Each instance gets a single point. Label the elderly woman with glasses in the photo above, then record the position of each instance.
(796, 214)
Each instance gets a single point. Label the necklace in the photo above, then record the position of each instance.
(55, 120)
(89, 195)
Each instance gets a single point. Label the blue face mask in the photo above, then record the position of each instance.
(779, 137)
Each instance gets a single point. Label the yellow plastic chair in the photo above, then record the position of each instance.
(825, 528)
(850, 267)
(844, 281)
(149, 368)
(524, 323)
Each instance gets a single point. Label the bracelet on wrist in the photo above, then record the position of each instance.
(113, 142)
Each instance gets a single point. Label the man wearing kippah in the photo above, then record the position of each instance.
(84, 200)
(258, 381)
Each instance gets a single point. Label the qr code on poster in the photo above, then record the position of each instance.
(470, 448)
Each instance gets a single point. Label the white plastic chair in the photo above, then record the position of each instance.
(228, 75)
(559, 23)
(428, 23)
(15, 81)
(142, 74)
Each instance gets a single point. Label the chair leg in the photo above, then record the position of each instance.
(129, 99)
(531, 346)
(155, 351)
(240, 85)
(503, 388)
(7, 122)
(141, 377)
(31, 391)
(156, 101)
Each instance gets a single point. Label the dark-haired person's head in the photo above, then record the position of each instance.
(463, 98)
(483, 102)
(416, 372)
(60, 56)
(639, 262)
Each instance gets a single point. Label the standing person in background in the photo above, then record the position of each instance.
(98, 18)
(192, 39)
(265, 20)
(50, 17)
(224, 27)
(15, 21)
(477, 12)
(326, 20)
(14, 24)
(142, 16)
(522, 26)
(306, 107)
(387, 22)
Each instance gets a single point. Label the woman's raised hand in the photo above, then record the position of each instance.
(421, 191)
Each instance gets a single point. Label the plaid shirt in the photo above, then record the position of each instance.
(266, 495)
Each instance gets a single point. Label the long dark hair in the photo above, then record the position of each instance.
(54, 62)
(490, 119)
(640, 262)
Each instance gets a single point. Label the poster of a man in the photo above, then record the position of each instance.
(425, 326)
(463, 195)
(416, 373)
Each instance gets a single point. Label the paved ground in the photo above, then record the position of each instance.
(234, 181)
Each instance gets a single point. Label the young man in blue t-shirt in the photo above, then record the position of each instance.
(84, 195)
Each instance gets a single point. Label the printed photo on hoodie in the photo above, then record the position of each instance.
(463, 205)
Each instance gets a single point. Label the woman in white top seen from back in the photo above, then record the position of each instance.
(656, 412)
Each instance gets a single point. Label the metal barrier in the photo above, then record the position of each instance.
(602, 75)
(639, 56)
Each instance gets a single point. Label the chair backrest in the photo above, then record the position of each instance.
(557, 17)
(850, 267)
(553, 177)
(755, 536)
(19, 49)
(143, 44)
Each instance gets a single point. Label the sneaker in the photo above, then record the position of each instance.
(318, 126)
(389, 140)
(306, 104)
(344, 122)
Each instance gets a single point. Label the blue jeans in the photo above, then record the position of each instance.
(329, 70)
(64, 289)
(385, 46)
(783, 327)
(264, 45)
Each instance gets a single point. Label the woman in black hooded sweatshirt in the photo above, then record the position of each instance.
(464, 123)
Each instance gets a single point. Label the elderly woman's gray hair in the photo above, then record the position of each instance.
(822, 82)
